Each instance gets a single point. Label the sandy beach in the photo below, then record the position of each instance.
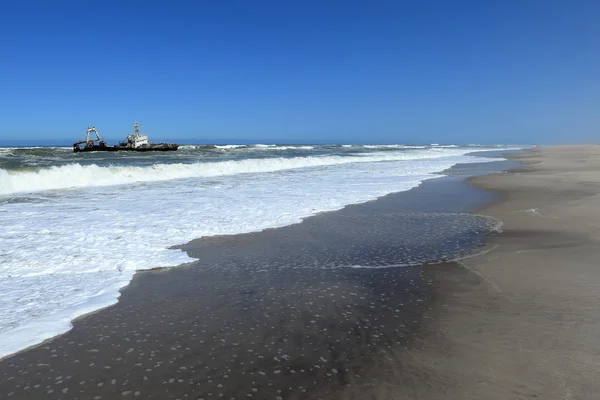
(292, 313)
(521, 321)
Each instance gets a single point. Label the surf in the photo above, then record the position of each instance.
(77, 175)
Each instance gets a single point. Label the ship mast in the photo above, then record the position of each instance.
(136, 128)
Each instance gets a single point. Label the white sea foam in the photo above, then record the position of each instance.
(392, 146)
(255, 147)
(385, 146)
(230, 146)
(66, 253)
(264, 145)
(271, 147)
(295, 147)
(83, 176)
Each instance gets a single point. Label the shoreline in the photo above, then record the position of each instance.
(26, 333)
(521, 321)
(179, 286)
(520, 157)
(114, 300)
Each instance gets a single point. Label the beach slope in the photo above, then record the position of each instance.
(523, 321)
(293, 313)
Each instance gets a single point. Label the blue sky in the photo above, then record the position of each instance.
(491, 71)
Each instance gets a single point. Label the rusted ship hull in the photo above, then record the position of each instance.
(152, 147)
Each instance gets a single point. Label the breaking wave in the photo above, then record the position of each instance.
(263, 147)
(80, 176)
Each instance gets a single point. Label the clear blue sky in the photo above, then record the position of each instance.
(482, 71)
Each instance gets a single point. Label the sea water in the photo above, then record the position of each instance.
(74, 227)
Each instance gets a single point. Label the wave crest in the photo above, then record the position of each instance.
(80, 176)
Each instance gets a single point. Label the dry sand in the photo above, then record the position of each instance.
(522, 321)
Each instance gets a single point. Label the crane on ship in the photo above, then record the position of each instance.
(89, 140)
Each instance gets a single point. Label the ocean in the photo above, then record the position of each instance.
(76, 226)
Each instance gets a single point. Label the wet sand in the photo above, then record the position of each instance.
(289, 313)
(522, 321)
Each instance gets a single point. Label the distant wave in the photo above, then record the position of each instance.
(80, 176)
(262, 147)
(392, 146)
(279, 147)
(37, 148)
(197, 147)
(230, 146)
